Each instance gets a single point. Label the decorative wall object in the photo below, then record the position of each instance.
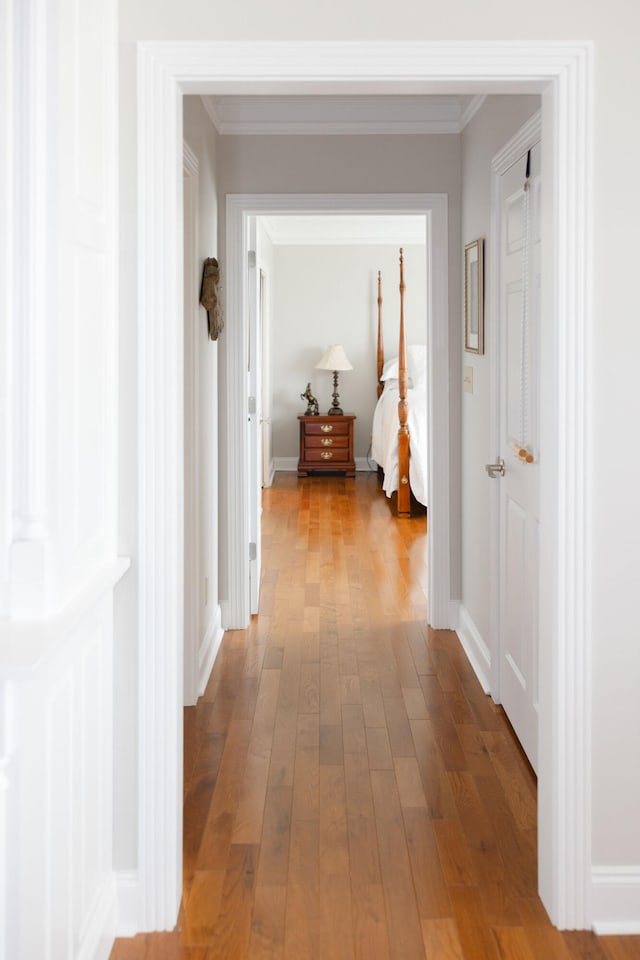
(210, 296)
(474, 297)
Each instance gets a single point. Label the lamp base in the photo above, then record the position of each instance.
(335, 404)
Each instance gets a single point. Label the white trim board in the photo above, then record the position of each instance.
(562, 73)
(615, 900)
(209, 650)
(128, 898)
(478, 654)
(191, 206)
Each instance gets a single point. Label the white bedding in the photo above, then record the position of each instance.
(384, 443)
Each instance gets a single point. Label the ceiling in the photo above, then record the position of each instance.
(333, 115)
(321, 229)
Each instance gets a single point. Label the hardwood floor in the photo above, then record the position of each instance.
(350, 792)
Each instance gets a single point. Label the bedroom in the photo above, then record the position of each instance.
(320, 277)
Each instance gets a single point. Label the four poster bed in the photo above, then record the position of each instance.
(399, 432)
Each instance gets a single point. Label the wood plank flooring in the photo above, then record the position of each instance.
(350, 793)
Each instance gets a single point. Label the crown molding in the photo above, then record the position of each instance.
(471, 109)
(339, 115)
(209, 104)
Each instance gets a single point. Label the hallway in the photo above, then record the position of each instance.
(350, 792)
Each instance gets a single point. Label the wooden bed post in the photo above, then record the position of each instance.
(404, 489)
(380, 341)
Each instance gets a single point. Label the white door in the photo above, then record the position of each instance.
(254, 363)
(519, 293)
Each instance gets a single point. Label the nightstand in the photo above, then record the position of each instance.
(326, 444)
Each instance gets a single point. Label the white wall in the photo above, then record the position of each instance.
(202, 608)
(613, 336)
(203, 631)
(325, 295)
(489, 130)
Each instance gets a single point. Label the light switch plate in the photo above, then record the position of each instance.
(468, 380)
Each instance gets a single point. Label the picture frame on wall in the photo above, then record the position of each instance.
(474, 297)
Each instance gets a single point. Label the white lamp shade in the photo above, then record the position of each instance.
(334, 358)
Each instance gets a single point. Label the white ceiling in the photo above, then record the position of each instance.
(346, 114)
(337, 229)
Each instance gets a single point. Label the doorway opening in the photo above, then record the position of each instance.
(241, 210)
(166, 71)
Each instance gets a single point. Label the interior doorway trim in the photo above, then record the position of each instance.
(561, 72)
(241, 207)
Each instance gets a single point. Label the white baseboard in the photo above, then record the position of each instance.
(615, 900)
(454, 614)
(475, 648)
(285, 464)
(98, 931)
(128, 896)
(209, 650)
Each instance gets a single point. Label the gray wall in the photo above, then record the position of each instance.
(324, 295)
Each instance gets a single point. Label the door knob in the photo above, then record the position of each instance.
(495, 469)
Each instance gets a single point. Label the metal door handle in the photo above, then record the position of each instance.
(495, 469)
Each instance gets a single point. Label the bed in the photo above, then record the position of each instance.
(399, 431)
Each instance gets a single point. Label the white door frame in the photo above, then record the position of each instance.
(240, 209)
(266, 456)
(249, 401)
(561, 72)
(191, 434)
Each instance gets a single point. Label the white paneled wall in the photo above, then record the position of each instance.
(56, 744)
(58, 420)
(60, 495)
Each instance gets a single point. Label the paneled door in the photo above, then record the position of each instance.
(517, 467)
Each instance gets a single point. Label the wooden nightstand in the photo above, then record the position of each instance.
(326, 444)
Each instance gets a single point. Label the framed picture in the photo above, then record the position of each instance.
(474, 297)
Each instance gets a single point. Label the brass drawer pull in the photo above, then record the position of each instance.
(326, 427)
(326, 454)
(326, 441)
